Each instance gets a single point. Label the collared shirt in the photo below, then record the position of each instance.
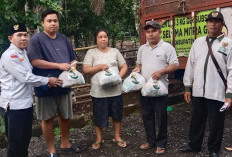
(157, 58)
(201, 73)
(17, 79)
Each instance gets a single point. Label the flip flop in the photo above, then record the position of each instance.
(53, 155)
(73, 149)
(160, 151)
(120, 143)
(97, 145)
(145, 146)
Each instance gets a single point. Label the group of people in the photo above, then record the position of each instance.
(40, 61)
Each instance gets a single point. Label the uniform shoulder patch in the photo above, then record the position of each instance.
(13, 56)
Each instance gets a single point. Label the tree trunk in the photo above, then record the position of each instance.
(138, 25)
(97, 6)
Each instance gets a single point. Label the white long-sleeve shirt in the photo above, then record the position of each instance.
(17, 80)
(201, 73)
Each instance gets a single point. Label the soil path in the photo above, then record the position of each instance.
(133, 133)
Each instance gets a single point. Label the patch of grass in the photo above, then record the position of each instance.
(129, 133)
(71, 130)
(57, 133)
(90, 122)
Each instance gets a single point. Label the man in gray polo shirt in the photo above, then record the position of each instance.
(155, 59)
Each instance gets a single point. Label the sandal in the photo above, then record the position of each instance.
(53, 155)
(121, 144)
(97, 145)
(74, 148)
(145, 146)
(160, 151)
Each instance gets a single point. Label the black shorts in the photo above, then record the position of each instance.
(105, 107)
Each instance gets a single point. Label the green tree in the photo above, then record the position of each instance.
(25, 11)
(81, 22)
(78, 19)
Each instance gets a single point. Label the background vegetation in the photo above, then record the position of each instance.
(78, 21)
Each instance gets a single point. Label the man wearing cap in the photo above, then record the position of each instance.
(204, 82)
(17, 83)
(51, 53)
(155, 59)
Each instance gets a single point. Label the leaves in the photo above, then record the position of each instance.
(81, 22)
(77, 20)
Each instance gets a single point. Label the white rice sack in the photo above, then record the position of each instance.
(71, 78)
(154, 88)
(133, 82)
(109, 78)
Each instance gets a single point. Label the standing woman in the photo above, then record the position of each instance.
(106, 101)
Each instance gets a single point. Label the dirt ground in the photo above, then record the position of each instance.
(133, 133)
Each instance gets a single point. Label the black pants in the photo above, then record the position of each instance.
(19, 130)
(201, 110)
(151, 108)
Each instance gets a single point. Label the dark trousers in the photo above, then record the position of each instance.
(151, 108)
(202, 109)
(19, 131)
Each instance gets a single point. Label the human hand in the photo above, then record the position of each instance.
(104, 66)
(136, 69)
(187, 96)
(54, 82)
(156, 75)
(64, 66)
(228, 100)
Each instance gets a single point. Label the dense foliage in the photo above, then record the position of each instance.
(77, 18)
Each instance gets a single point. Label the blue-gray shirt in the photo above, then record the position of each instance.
(58, 50)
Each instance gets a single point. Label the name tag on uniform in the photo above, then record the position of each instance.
(223, 49)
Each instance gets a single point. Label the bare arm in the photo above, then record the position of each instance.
(88, 69)
(123, 70)
(42, 64)
(137, 68)
(170, 68)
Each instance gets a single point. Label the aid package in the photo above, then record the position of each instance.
(154, 88)
(71, 78)
(109, 78)
(133, 82)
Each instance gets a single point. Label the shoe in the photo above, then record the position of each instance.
(186, 149)
(213, 154)
(74, 148)
(97, 145)
(160, 150)
(122, 143)
(145, 146)
(53, 155)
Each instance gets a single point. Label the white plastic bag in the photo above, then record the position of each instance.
(71, 78)
(109, 77)
(154, 88)
(133, 82)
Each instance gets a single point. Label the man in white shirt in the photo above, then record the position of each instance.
(203, 82)
(16, 97)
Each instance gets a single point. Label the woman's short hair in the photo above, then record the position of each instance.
(97, 32)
